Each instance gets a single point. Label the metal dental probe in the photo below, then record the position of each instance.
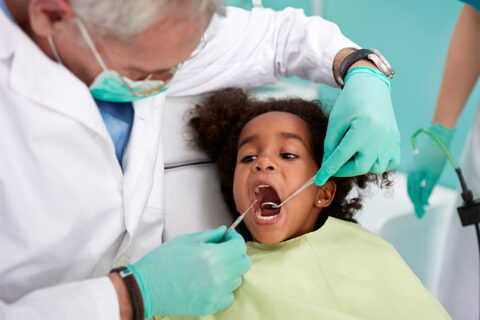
(236, 222)
(276, 206)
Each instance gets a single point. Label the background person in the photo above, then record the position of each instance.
(81, 101)
(459, 281)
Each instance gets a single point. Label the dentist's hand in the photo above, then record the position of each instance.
(192, 274)
(425, 168)
(362, 133)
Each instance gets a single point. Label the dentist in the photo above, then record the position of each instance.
(82, 85)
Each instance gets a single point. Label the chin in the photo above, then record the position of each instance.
(269, 239)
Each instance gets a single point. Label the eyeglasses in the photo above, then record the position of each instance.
(155, 81)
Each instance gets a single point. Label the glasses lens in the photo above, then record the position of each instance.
(152, 84)
(142, 91)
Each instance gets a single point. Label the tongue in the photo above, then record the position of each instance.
(269, 195)
(270, 212)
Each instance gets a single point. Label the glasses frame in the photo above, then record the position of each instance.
(135, 93)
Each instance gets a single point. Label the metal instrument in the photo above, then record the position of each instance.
(276, 206)
(236, 222)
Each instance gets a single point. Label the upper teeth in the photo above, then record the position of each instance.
(257, 189)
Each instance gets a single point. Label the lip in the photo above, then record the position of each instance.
(264, 222)
(256, 206)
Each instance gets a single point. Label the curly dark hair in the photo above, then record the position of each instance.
(219, 119)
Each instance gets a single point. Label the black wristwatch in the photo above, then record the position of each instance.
(133, 291)
(371, 54)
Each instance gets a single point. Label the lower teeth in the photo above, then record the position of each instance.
(258, 213)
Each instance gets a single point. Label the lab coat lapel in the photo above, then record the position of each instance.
(45, 82)
(139, 161)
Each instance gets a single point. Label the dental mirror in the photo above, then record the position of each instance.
(272, 205)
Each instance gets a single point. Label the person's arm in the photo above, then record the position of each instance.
(124, 301)
(248, 49)
(462, 68)
(461, 71)
(86, 299)
(342, 54)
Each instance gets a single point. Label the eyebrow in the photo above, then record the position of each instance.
(289, 135)
(285, 135)
(247, 140)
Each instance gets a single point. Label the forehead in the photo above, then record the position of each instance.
(274, 122)
(164, 44)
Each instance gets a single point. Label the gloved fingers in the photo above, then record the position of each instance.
(234, 284)
(232, 235)
(234, 243)
(209, 236)
(235, 265)
(414, 191)
(360, 165)
(347, 148)
(224, 302)
(419, 211)
(336, 130)
(413, 187)
(395, 160)
(427, 189)
(229, 284)
(379, 167)
(384, 156)
(392, 164)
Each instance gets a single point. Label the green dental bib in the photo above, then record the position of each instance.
(341, 271)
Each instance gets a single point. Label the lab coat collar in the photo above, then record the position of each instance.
(35, 76)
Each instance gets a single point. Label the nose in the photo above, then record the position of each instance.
(264, 164)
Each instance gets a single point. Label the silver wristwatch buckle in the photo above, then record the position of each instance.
(381, 63)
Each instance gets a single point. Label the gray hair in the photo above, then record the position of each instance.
(126, 18)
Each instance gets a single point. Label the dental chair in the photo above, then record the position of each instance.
(193, 200)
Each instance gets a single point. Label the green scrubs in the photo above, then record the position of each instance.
(341, 271)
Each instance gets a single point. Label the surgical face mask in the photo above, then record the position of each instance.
(109, 85)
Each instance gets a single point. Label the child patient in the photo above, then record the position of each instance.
(310, 259)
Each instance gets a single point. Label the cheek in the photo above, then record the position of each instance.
(239, 187)
(303, 203)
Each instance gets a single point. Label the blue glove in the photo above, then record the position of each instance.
(362, 133)
(425, 168)
(192, 274)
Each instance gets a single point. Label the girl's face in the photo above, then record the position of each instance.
(274, 159)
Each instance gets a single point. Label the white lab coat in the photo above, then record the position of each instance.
(459, 280)
(67, 212)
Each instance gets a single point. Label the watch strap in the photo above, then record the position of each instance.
(349, 61)
(133, 290)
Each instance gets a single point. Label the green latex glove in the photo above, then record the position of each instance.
(425, 168)
(362, 133)
(192, 274)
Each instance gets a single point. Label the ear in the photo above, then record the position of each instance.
(46, 16)
(325, 195)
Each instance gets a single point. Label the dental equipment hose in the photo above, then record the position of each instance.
(470, 211)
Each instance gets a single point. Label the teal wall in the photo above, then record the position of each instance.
(414, 36)
(306, 5)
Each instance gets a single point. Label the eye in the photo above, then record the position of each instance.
(248, 158)
(288, 156)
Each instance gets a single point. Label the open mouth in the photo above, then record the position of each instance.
(265, 193)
